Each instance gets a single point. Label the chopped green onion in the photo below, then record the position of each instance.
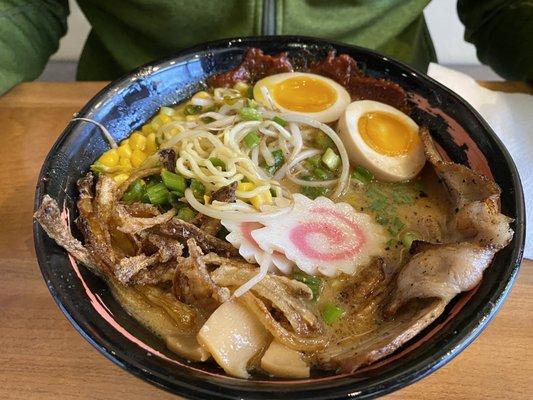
(401, 196)
(313, 192)
(186, 214)
(158, 194)
(191, 109)
(153, 180)
(197, 187)
(217, 162)
(252, 103)
(382, 219)
(150, 181)
(174, 181)
(396, 226)
(409, 237)
(278, 162)
(322, 174)
(314, 283)
(134, 193)
(250, 92)
(167, 111)
(250, 114)
(362, 175)
(312, 162)
(378, 204)
(251, 140)
(392, 243)
(331, 313)
(373, 192)
(174, 200)
(323, 141)
(331, 159)
(279, 121)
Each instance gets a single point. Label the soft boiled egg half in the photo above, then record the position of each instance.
(312, 95)
(382, 139)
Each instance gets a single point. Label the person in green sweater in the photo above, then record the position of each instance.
(126, 34)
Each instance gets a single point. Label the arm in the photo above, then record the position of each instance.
(502, 31)
(29, 33)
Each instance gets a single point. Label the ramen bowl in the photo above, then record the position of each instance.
(128, 102)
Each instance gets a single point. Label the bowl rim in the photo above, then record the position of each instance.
(400, 379)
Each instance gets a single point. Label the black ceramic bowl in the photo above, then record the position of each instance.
(128, 102)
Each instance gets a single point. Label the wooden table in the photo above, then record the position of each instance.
(43, 357)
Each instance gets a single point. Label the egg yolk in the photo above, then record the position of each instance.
(305, 94)
(386, 134)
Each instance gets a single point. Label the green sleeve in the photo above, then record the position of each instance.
(502, 31)
(29, 33)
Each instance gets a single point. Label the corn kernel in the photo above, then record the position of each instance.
(125, 163)
(241, 87)
(125, 142)
(202, 95)
(124, 151)
(155, 124)
(245, 186)
(178, 117)
(261, 199)
(137, 157)
(119, 178)
(207, 199)
(165, 119)
(190, 118)
(137, 141)
(151, 145)
(160, 120)
(147, 129)
(109, 158)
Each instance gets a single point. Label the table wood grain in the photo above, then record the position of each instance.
(43, 357)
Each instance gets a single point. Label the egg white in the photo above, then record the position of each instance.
(384, 167)
(330, 114)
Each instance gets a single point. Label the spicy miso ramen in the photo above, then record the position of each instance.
(281, 222)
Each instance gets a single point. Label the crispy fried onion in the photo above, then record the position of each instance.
(170, 316)
(285, 295)
(192, 283)
(136, 268)
(286, 337)
(183, 231)
(155, 257)
(133, 225)
(274, 297)
(49, 217)
(95, 211)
